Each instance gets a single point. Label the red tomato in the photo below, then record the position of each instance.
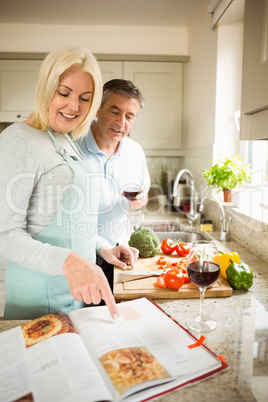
(180, 251)
(168, 246)
(161, 282)
(185, 247)
(174, 279)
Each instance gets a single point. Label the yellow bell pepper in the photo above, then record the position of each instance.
(225, 261)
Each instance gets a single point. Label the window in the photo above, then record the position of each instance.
(253, 199)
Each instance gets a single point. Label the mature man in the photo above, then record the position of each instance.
(119, 159)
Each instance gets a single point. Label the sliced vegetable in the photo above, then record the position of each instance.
(239, 276)
(181, 265)
(225, 261)
(161, 282)
(174, 279)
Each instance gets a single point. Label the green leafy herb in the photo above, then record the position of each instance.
(46, 328)
(228, 173)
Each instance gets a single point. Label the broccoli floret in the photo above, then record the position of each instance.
(146, 241)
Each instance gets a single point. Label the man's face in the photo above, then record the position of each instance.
(116, 117)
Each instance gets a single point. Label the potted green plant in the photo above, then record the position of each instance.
(227, 174)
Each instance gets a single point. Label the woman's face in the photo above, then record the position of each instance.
(71, 101)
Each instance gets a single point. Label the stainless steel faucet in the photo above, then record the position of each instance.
(224, 234)
(192, 215)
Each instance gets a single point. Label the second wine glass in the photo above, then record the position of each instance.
(203, 268)
(130, 193)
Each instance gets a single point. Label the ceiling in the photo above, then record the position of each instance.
(165, 13)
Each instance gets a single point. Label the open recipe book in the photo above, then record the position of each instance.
(87, 356)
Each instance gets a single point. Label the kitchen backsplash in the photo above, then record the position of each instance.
(250, 233)
(155, 164)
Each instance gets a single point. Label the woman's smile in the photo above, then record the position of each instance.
(68, 116)
(71, 101)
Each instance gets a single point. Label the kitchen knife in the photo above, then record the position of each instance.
(131, 276)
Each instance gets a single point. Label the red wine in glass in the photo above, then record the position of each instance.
(204, 277)
(130, 192)
(203, 268)
(131, 195)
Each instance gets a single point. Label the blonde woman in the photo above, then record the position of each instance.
(49, 198)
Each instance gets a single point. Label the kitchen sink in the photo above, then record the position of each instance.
(188, 237)
(163, 227)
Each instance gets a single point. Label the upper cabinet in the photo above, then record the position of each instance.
(158, 127)
(17, 88)
(254, 104)
(111, 70)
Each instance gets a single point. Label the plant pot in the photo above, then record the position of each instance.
(227, 195)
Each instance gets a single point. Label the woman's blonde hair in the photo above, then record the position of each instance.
(55, 64)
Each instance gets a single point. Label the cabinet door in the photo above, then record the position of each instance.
(254, 105)
(111, 70)
(17, 88)
(159, 125)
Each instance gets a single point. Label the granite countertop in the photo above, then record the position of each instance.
(241, 335)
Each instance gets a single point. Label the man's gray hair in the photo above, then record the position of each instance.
(123, 87)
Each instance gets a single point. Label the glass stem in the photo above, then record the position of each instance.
(202, 295)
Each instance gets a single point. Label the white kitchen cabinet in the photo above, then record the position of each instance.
(111, 70)
(17, 88)
(254, 102)
(158, 127)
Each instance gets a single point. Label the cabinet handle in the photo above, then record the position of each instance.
(22, 115)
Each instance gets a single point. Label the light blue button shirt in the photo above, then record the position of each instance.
(128, 165)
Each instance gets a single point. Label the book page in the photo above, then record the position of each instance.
(15, 379)
(62, 370)
(143, 345)
(58, 368)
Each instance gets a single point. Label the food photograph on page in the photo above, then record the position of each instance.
(45, 327)
(127, 367)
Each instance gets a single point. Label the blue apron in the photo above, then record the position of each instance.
(31, 294)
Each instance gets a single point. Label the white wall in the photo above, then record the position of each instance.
(25, 38)
(228, 89)
(213, 89)
(198, 41)
(99, 39)
(201, 94)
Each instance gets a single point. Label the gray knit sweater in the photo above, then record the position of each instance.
(33, 180)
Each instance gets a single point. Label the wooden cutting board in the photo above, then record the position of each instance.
(146, 287)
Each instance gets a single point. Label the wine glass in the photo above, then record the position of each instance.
(130, 192)
(203, 268)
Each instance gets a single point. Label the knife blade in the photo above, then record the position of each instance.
(131, 276)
